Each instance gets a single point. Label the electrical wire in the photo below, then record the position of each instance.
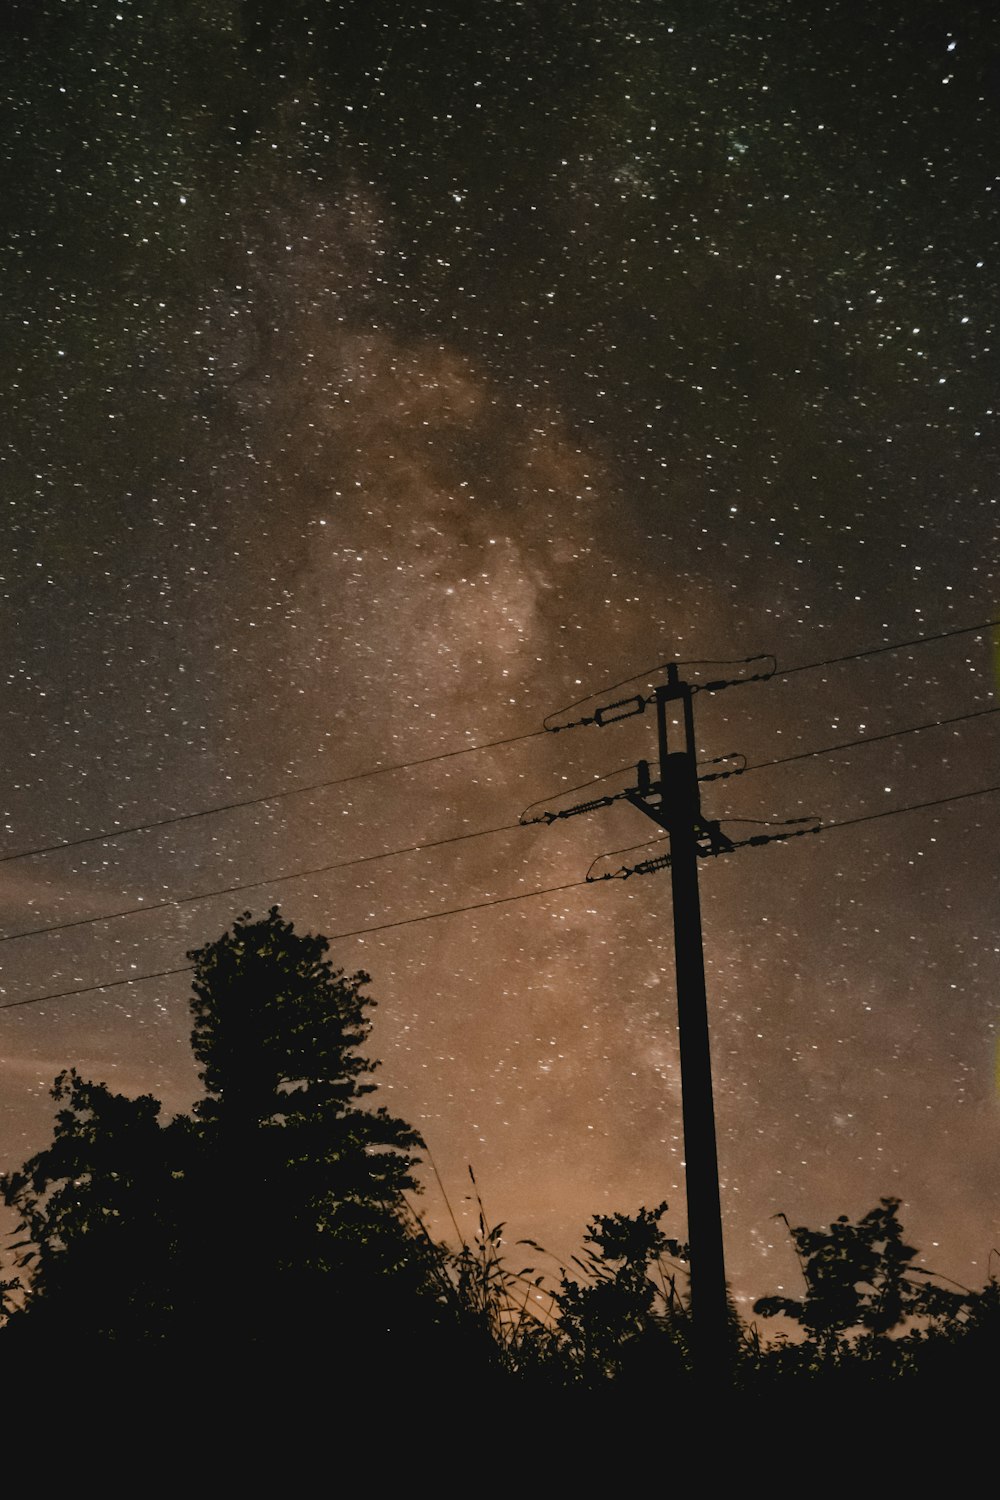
(93, 989)
(599, 716)
(110, 835)
(553, 815)
(920, 640)
(295, 791)
(567, 791)
(640, 677)
(252, 885)
(892, 812)
(430, 916)
(345, 864)
(821, 827)
(868, 739)
(453, 911)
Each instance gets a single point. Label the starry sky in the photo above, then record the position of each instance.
(384, 377)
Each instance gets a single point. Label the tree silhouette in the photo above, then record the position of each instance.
(869, 1312)
(98, 1210)
(313, 1184)
(627, 1319)
(272, 1215)
(858, 1276)
(272, 1220)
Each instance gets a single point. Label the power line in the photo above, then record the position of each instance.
(821, 827)
(549, 816)
(613, 713)
(920, 640)
(868, 739)
(892, 812)
(611, 687)
(453, 911)
(295, 791)
(93, 989)
(251, 885)
(344, 864)
(430, 916)
(567, 791)
(109, 835)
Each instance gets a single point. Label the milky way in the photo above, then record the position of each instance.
(386, 377)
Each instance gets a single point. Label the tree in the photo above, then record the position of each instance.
(627, 1319)
(314, 1184)
(273, 1213)
(861, 1286)
(96, 1210)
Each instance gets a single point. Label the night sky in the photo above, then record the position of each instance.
(383, 377)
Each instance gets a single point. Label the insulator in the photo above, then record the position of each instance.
(584, 807)
(629, 706)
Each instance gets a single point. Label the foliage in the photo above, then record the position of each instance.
(624, 1319)
(276, 1031)
(872, 1318)
(510, 1311)
(627, 1312)
(277, 1202)
(98, 1199)
(621, 1321)
(860, 1276)
(275, 1215)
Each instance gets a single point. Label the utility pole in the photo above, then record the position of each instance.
(674, 803)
